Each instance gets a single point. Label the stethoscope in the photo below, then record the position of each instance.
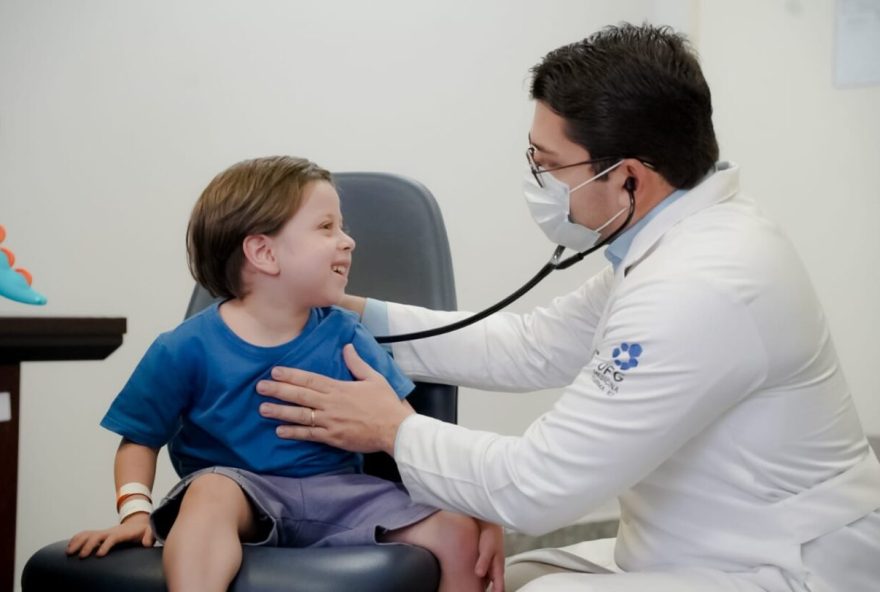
(555, 262)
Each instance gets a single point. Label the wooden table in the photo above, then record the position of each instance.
(33, 339)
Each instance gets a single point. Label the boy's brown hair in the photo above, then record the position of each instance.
(255, 196)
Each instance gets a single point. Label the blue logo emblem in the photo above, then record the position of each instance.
(627, 355)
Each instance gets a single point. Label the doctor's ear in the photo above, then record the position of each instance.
(259, 252)
(629, 186)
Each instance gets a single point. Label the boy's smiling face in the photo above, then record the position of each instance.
(312, 251)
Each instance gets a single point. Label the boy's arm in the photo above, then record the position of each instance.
(134, 464)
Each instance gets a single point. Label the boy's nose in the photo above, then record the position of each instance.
(347, 242)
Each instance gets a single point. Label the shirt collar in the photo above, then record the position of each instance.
(618, 249)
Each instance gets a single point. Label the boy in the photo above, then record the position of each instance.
(266, 235)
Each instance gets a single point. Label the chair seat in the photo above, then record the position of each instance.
(264, 569)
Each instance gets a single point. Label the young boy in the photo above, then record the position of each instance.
(266, 235)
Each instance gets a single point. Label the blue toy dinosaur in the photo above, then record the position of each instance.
(15, 284)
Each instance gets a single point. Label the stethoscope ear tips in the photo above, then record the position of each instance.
(630, 184)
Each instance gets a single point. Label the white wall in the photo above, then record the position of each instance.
(114, 115)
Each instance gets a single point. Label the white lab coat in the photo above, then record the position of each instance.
(733, 445)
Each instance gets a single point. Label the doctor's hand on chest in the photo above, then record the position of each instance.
(361, 415)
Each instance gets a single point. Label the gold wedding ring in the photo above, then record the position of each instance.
(313, 417)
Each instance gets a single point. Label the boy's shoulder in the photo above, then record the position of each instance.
(337, 313)
(342, 322)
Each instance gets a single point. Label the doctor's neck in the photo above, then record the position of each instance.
(649, 187)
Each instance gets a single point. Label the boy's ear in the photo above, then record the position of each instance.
(259, 252)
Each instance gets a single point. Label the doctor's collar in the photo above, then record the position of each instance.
(617, 250)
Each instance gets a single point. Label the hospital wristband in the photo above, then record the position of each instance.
(131, 489)
(133, 506)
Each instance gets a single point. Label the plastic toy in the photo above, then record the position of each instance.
(15, 284)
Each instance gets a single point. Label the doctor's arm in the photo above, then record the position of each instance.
(354, 303)
(597, 442)
(544, 348)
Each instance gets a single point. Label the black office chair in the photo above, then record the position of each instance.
(402, 255)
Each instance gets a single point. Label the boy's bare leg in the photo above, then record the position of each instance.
(203, 550)
(453, 539)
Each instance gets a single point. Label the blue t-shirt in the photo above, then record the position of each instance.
(195, 390)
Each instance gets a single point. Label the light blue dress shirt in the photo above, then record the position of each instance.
(618, 249)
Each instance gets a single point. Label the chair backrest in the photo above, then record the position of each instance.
(402, 255)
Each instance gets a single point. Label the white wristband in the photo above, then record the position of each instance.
(133, 506)
(128, 491)
(130, 488)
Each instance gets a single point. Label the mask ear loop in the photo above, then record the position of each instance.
(594, 177)
(548, 268)
(630, 186)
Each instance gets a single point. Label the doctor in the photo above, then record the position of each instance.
(702, 388)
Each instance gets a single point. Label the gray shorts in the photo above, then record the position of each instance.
(319, 511)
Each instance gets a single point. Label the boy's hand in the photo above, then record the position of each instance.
(490, 562)
(135, 529)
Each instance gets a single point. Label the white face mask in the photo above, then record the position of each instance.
(550, 207)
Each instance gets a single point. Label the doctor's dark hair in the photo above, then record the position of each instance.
(255, 196)
(633, 91)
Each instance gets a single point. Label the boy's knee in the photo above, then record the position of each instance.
(219, 500)
(457, 534)
(212, 488)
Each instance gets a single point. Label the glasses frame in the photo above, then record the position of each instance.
(537, 171)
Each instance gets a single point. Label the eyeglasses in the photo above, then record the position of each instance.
(537, 171)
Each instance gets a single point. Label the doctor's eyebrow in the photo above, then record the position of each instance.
(539, 147)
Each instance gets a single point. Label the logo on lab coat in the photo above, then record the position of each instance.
(626, 356)
(609, 374)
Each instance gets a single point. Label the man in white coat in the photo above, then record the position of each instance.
(702, 388)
